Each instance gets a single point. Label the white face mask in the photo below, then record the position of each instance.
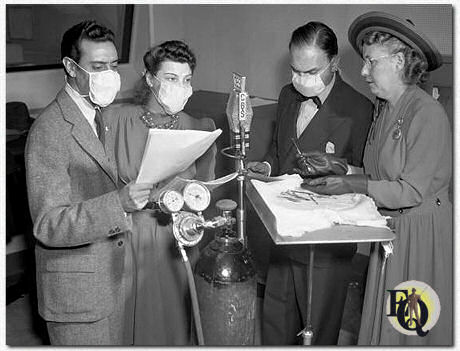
(309, 84)
(172, 96)
(103, 86)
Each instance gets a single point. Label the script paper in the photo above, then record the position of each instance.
(168, 152)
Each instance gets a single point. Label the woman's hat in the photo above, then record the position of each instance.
(404, 30)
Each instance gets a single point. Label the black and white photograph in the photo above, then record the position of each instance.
(192, 174)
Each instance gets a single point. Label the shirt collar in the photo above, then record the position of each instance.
(85, 107)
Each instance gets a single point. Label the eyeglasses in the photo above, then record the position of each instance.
(370, 62)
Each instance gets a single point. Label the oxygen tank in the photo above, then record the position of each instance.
(226, 287)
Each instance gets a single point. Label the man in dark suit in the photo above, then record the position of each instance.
(325, 115)
(81, 219)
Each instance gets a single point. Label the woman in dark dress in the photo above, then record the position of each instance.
(160, 300)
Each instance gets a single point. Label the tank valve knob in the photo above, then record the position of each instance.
(226, 205)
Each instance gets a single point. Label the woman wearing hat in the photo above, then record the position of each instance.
(407, 171)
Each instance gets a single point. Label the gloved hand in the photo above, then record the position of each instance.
(259, 167)
(317, 164)
(337, 184)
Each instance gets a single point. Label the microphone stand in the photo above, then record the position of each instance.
(241, 179)
(240, 131)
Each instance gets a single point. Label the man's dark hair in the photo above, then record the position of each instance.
(89, 30)
(317, 34)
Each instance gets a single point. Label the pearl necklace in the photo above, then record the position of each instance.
(149, 120)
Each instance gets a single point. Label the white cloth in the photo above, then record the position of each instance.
(85, 107)
(298, 210)
(308, 108)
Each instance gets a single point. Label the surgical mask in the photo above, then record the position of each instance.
(309, 84)
(103, 86)
(172, 96)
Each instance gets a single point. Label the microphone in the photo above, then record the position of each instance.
(239, 113)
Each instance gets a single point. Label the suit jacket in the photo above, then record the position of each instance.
(343, 119)
(79, 222)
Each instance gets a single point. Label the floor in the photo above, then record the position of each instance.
(25, 328)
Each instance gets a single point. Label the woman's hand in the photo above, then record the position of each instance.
(337, 185)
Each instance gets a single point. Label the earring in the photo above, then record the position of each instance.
(148, 82)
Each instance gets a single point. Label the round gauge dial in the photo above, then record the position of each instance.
(171, 201)
(197, 196)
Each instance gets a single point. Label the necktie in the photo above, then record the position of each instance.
(100, 128)
(315, 99)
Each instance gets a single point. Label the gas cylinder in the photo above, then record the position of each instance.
(226, 287)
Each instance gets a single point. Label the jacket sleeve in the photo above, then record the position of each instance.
(272, 154)
(427, 140)
(59, 220)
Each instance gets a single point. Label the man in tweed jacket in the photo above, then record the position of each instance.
(80, 217)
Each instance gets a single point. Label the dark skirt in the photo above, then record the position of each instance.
(423, 252)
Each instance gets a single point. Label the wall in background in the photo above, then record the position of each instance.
(251, 39)
(30, 28)
(38, 88)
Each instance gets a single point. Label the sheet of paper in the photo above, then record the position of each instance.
(168, 152)
(179, 183)
(257, 101)
(264, 178)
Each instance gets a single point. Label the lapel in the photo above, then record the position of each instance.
(288, 109)
(84, 135)
(325, 122)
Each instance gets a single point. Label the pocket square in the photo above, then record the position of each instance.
(330, 148)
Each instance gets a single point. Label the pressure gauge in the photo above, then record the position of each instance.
(171, 201)
(196, 196)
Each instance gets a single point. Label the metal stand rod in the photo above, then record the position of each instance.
(307, 332)
(239, 158)
(241, 212)
(380, 294)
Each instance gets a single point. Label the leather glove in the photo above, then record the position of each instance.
(337, 184)
(317, 164)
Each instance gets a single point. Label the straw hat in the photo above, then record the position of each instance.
(404, 30)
